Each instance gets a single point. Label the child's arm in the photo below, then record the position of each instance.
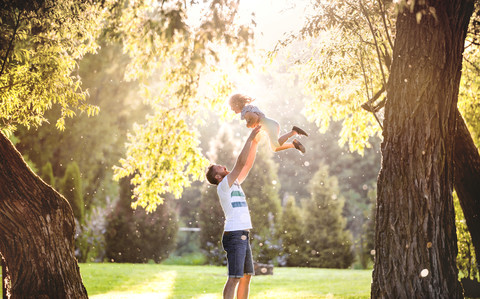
(252, 119)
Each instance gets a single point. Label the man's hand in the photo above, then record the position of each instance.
(252, 119)
(254, 133)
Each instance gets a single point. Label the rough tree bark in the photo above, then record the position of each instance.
(467, 180)
(415, 222)
(36, 233)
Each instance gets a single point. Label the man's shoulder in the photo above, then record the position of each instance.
(223, 185)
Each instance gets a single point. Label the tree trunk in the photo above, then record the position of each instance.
(415, 222)
(467, 180)
(36, 233)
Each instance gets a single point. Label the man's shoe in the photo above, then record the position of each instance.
(299, 131)
(298, 146)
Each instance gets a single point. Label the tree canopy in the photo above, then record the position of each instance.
(44, 40)
(41, 42)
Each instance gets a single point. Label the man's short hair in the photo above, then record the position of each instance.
(211, 175)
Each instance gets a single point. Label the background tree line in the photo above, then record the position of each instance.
(275, 178)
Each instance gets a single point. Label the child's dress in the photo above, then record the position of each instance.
(270, 126)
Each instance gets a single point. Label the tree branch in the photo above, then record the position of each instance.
(17, 24)
(382, 10)
(365, 78)
(368, 104)
(472, 64)
(376, 42)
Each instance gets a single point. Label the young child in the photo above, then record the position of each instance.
(254, 117)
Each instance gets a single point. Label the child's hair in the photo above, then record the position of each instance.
(240, 100)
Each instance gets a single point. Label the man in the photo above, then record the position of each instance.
(237, 227)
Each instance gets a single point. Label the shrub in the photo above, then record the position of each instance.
(135, 236)
(466, 259)
(90, 236)
(71, 188)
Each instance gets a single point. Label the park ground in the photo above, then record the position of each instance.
(122, 281)
(177, 281)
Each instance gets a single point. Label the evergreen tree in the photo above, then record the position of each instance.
(135, 236)
(71, 188)
(261, 189)
(47, 174)
(328, 243)
(291, 233)
(211, 217)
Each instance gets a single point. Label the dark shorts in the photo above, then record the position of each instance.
(239, 253)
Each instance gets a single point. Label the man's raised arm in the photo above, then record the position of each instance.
(250, 159)
(243, 158)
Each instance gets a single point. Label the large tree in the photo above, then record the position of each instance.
(36, 223)
(415, 239)
(355, 41)
(37, 233)
(41, 42)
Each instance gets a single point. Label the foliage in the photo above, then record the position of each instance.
(328, 243)
(90, 236)
(71, 188)
(349, 63)
(367, 247)
(136, 236)
(163, 154)
(41, 43)
(356, 174)
(95, 143)
(166, 161)
(292, 235)
(47, 174)
(466, 259)
(470, 82)
(469, 108)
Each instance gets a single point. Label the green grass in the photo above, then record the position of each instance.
(206, 282)
(179, 281)
(186, 260)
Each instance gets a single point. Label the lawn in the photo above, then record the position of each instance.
(175, 281)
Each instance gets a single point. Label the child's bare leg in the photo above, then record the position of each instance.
(285, 137)
(284, 147)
